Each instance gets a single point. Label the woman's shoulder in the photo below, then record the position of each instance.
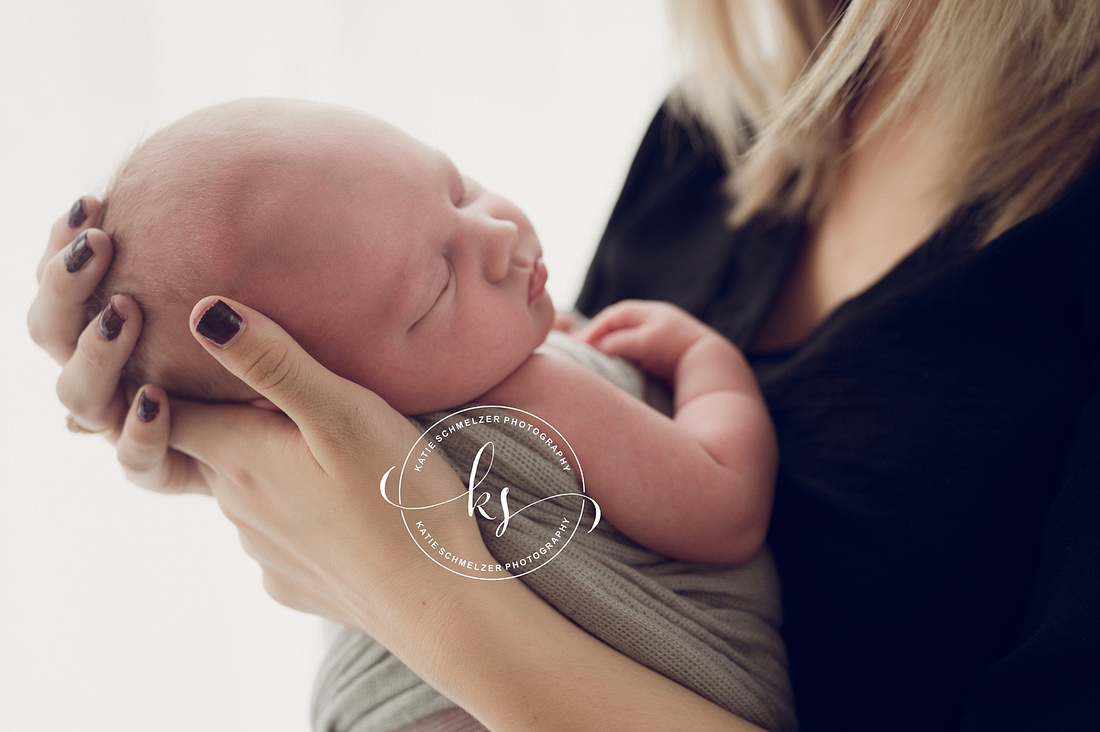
(675, 153)
(1063, 241)
(1075, 215)
(668, 236)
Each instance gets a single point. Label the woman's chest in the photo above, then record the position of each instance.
(943, 381)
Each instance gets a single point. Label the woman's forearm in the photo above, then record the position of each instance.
(500, 652)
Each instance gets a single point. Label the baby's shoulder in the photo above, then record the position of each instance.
(619, 372)
(562, 368)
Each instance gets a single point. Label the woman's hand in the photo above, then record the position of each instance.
(233, 449)
(76, 259)
(93, 348)
(302, 486)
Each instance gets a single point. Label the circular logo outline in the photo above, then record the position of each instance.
(507, 575)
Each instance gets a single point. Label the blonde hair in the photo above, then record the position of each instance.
(772, 82)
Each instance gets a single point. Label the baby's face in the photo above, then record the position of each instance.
(388, 264)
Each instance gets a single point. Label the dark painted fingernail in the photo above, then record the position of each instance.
(219, 324)
(110, 322)
(78, 253)
(147, 409)
(77, 214)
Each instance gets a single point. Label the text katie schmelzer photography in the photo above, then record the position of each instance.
(509, 438)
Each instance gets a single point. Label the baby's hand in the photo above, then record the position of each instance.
(653, 334)
(565, 321)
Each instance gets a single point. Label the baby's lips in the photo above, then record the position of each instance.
(537, 284)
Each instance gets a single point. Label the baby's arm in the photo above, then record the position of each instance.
(696, 487)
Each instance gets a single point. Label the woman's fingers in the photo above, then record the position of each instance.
(89, 382)
(68, 277)
(93, 354)
(228, 438)
(143, 450)
(328, 410)
(83, 214)
(74, 262)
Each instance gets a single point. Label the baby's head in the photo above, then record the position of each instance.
(388, 265)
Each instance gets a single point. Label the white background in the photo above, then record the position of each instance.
(122, 610)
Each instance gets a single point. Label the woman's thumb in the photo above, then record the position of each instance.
(257, 351)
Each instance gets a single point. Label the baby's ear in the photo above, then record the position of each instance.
(263, 403)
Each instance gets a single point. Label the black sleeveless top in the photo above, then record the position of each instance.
(937, 514)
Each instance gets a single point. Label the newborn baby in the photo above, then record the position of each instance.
(399, 273)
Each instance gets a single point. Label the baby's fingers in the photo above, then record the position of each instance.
(627, 342)
(625, 314)
(566, 322)
(89, 382)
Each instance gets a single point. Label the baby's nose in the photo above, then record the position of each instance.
(501, 239)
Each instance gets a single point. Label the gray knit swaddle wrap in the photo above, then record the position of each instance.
(711, 628)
